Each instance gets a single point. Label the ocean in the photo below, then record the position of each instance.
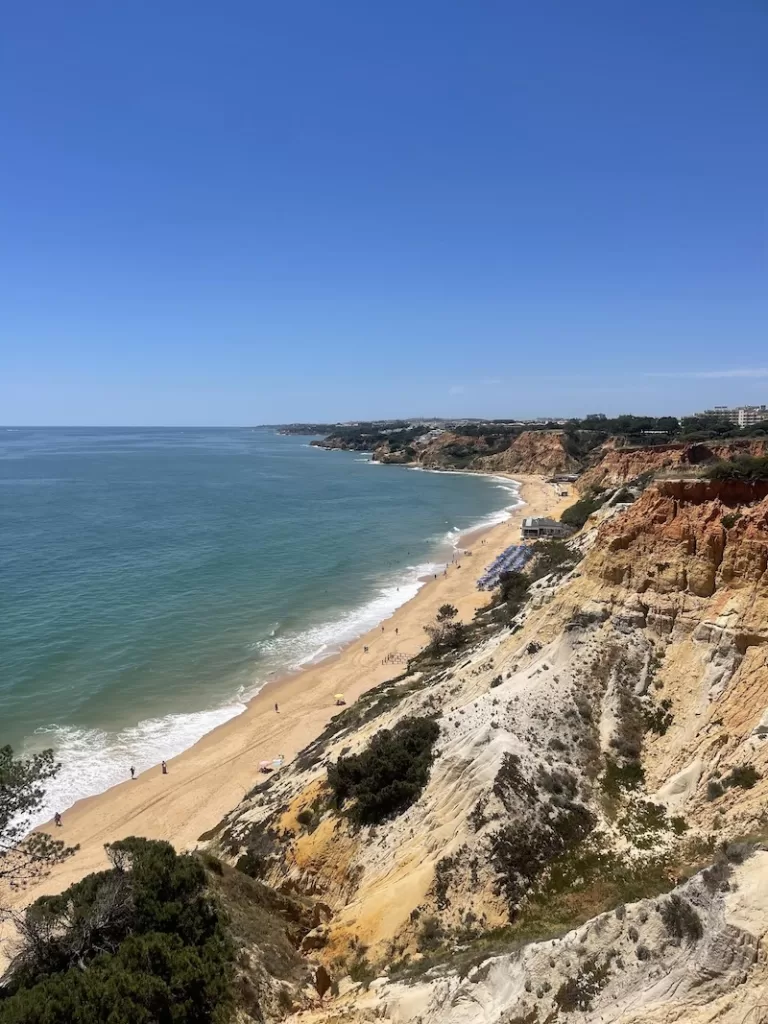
(152, 580)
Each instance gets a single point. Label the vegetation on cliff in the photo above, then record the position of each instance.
(747, 467)
(25, 855)
(389, 775)
(142, 941)
(467, 441)
(578, 513)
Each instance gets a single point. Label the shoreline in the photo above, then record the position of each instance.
(96, 757)
(208, 779)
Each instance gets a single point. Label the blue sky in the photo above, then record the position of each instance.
(247, 212)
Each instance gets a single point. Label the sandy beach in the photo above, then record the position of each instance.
(210, 778)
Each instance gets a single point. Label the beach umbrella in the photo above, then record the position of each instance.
(339, 698)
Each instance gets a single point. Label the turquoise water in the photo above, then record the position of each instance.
(152, 580)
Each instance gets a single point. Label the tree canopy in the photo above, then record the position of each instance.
(25, 856)
(141, 942)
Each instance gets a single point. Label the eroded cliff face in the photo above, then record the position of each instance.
(628, 966)
(536, 451)
(533, 451)
(590, 757)
(614, 466)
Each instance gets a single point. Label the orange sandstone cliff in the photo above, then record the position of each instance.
(614, 466)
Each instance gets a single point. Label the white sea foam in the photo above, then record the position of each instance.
(295, 650)
(455, 536)
(92, 760)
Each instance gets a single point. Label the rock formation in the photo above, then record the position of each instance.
(614, 465)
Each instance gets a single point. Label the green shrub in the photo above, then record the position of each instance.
(154, 977)
(714, 789)
(745, 467)
(658, 717)
(730, 519)
(745, 776)
(446, 612)
(251, 864)
(578, 513)
(621, 776)
(511, 782)
(642, 823)
(625, 496)
(361, 970)
(577, 993)
(212, 863)
(445, 635)
(139, 943)
(521, 850)
(389, 775)
(430, 936)
(681, 920)
(513, 587)
(552, 556)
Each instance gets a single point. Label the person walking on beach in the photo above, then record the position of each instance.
(164, 767)
(277, 709)
(57, 820)
(133, 772)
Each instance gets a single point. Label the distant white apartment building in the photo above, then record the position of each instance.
(740, 415)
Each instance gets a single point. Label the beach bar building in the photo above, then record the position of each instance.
(536, 528)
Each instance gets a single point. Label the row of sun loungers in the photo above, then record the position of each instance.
(512, 559)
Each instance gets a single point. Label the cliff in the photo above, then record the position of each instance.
(538, 451)
(578, 844)
(533, 451)
(345, 444)
(548, 452)
(615, 465)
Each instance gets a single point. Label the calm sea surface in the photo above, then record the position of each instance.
(152, 580)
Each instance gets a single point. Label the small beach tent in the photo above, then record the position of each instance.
(339, 697)
(277, 762)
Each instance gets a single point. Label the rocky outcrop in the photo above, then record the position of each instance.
(334, 443)
(533, 451)
(394, 456)
(688, 537)
(536, 451)
(649, 961)
(614, 465)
